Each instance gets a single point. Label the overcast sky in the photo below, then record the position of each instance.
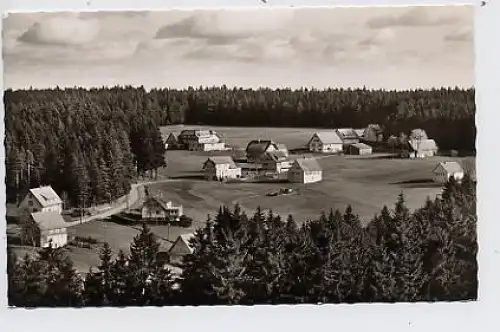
(392, 47)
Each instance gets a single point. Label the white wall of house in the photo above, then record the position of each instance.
(221, 171)
(440, 175)
(311, 177)
(213, 146)
(297, 175)
(315, 145)
(30, 204)
(56, 237)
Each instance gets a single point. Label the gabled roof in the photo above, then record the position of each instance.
(375, 127)
(49, 220)
(281, 146)
(239, 154)
(171, 136)
(451, 167)
(308, 164)
(359, 132)
(346, 133)
(328, 137)
(166, 205)
(361, 146)
(46, 196)
(275, 155)
(185, 238)
(423, 145)
(258, 147)
(220, 160)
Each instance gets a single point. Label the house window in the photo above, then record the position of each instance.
(30, 202)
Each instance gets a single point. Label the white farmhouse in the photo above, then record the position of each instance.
(446, 170)
(41, 199)
(420, 149)
(52, 229)
(221, 168)
(325, 142)
(305, 170)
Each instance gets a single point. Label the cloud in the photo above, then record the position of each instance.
(224, 26)
(61, 31)
(461, 35)
(415, 17)
(380, 37)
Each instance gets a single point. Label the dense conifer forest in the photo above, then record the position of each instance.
(90, 144)
(423, 255)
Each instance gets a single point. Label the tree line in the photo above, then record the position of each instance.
(401, 256)
(90, 143)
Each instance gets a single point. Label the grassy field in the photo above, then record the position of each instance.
(367, 183)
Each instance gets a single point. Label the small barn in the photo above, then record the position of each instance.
(256, 148)
(373, 133)
(155, 208)
(50, 228)
(325, 142)
(446, 170)
(305, 170)
(420, 149)
(359, 149)
(171, 142)
(181, 247)
(221, 168)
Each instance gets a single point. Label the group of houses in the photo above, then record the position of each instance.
(360, 141)
(44, 207)
(262, 158)
(195, 140)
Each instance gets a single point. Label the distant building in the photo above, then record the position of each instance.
(360, 133)
(417, 134)
(419, 149)
(373, 133)
(200, 140)
(275, 161)
(155, 208)
(250, 169)
(41, 199)
(51, 229)
(221, 168)
(393, 142)
(305, 170)
(171, 142)
(325, 142)
(282, 148)
(181, 247)
(256, 148)
(359, 149)
(446, 170)
(347, 135)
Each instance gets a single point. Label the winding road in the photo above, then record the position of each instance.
(128, 200)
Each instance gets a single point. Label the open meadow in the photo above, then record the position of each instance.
(367, 183)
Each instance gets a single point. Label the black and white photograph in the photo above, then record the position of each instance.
(257, 156)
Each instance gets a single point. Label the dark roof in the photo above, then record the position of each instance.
(220, 160)
(258, 147)
(328, 137)
(239, 154)
(308, 164)
(423, 145)
(166, 205)
(49, 220)
(347, 133)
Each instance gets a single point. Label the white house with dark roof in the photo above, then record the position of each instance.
(156, 208)
(446, 170)
(420, 148)
(305, 170)
(41, 199)
(52, 229)
(275, 161)
(221, 168)
(181, 247)
(325, 142)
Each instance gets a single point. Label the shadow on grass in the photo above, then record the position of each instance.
(418, 183)
(373, 157)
